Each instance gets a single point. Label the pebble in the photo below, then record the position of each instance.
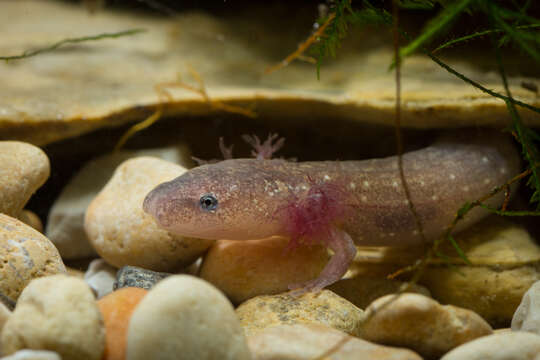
(506, 346)
(311, 341)
(362, 291)
(25, 168)
(5, 313)
(527, 315)
(420, 323)
(244, 269)
(65, 225)
(75, 272)
(123, 234)
(133, 276)
(324, 308)
(56, 313)
(25, 254)
(117, 308)
(188, 316)
(31, 219)
(33, 355)
(506, 262)
(100, 276)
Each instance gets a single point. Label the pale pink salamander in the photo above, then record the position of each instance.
(337, 203)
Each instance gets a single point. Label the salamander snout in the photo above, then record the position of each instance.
(158, 204)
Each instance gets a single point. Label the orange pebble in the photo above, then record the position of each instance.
(116, 309)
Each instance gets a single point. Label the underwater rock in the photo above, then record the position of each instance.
(24, 169)
(505, 263)
(310, 341)
(125, 71)
(33, 355)
(100, 277)
(324, 308)
(133, 276)
(513, 345)
(26, 254)
(31, 219)
(527, 315)
(56, 313)
(187, 316)
(420, 323)
(65, 225)
(362, 291)
(117, 308)
(244, 269)
(123, 234)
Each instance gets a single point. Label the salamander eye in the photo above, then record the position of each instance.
(208, 202)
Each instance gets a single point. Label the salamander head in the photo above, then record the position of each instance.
(217, 201)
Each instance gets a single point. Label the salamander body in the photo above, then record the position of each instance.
(337, 202)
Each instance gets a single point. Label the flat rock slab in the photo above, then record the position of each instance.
(79, 88)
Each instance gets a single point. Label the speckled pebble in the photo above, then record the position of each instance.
(133, 276)
(310, 341)
(25, 254)
(189, 318)
(65, 225)
(100, 277)
(25, 168)
(506, 346)
(362, 291)
(123, 234)
(244, 269)
(56, 313)
(324, 308)
(527, 315)
(422, 324)
(33, 355)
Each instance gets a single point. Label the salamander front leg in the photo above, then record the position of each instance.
(344, 251)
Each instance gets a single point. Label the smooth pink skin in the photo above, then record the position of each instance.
(260, 198)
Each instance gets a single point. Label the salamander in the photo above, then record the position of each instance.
(338, 203)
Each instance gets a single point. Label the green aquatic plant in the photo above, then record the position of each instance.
(511, 25)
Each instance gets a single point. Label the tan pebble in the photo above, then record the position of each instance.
(422, 324)
(33, 355)
(123, 234)
(505, 262)
(527, 315)
(75, 272)
(507, 346)
(56, 313)
(25, 168)
(31, 219)
(324, 308)
(25, 254)
(244, 269)
(65, 223)
(362, 291)
(187, 316)
(117, 308)
(310, 341)
(5, 313)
